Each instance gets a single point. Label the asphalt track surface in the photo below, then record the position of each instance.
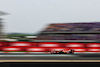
(31, 56)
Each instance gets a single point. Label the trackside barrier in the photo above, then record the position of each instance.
(37, 49)
(74, 45)
(93, 49)
(49, 44)
(12, 49)
(93, 45)
(22, 44)
(3, 44)
(1, 48)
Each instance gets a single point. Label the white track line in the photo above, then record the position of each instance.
(49, 52)
(36, 55)
(86, 52)
(27, 52)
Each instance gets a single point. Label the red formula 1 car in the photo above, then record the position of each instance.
(71, 51)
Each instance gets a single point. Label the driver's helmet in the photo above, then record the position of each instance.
(72, 49)
(61, 50)
(53, 50)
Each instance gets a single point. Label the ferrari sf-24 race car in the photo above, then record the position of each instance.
(71, 51)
